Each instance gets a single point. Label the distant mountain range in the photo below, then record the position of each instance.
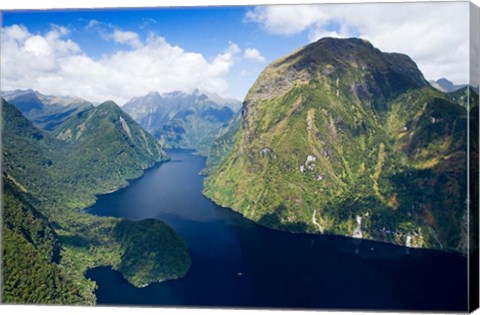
(176, 119)
(45, 111)
(446, 86)
(181, 120)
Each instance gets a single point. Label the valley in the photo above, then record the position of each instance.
(341, 155)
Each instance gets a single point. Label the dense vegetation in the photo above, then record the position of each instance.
(341, 138)
(151, 238)
(30, 246)
(48, 177)
(180, 120)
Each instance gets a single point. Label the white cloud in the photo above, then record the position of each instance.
(286, 19)
(16, 32)
(233, 48)
(53, 64)
(253, 54)
(435, 35)
(127, 38)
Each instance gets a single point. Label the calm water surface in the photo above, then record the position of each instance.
(240, 264)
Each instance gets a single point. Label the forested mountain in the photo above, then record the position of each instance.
(48, 243)
(341, 138)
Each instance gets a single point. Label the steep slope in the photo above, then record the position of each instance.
(46, 111)
(180, 120)
(108, 146)
(341, 138)
(47, 181)
(30, 248)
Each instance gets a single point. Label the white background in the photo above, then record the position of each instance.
(54, 310)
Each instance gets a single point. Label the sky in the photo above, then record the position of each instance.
(117, 54)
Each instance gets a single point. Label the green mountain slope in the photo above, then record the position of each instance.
(48, 180)
(108, 147)
(466, 96)
(30, 248)
(341, 138)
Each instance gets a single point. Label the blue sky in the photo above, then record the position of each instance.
(118, 53)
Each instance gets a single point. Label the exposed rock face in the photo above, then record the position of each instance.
(355, 131)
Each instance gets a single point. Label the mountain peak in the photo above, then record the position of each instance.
(153, 94)
(359, 67)
(109, 104)
(174, 94)
(446, 85)
(343, 43)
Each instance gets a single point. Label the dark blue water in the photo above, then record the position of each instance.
(240, 264)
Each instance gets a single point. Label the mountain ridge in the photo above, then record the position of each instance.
(46, 111)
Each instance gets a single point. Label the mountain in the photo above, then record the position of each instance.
(106, 140)
(180, 120)
(45, 111)
(446, 86)
(341, 138)
(48, 177)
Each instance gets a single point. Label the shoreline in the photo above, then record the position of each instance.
(351, 238)
(359, 250)
(128, 183)
(85, 209)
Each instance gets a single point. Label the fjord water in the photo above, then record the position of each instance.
(240, 264)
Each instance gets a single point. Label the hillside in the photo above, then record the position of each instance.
(108, 147)
(341, 138)
(48, 180)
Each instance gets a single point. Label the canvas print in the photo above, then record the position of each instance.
(309, 156)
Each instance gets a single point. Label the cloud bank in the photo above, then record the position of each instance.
(435, 35)
(54, 64)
